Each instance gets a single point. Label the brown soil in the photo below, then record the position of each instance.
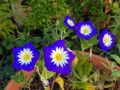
(36, 84)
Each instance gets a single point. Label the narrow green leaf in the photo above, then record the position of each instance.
(118, 45)
(75, 74)
(117, 58)
(116, 73)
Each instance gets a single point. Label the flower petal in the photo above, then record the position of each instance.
(86, 30)
(104, 45)
(60, 67)
(29, 66)
(69, 23)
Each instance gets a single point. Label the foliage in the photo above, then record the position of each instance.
(41, 22)
(55, 31)
(81, 73)
(43, 12)
(6, 69)
(87, 44)
(19, 77)
(116, 73)
(88, 9)
(115, 24)
(7, 26)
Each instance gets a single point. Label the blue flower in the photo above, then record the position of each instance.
(106, 40)
(58, 58)
(69, 22)
(86, 30)
(25, 57)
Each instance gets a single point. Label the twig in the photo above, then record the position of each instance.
(4, 55)
(53, 82)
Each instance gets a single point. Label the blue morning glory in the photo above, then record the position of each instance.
(69, 22)
(25, 57)
(86, 30)
(58, 58)
(106, 40)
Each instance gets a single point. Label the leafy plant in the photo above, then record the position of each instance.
(116, 73)
(7, 26)
(87, 44)
(6, 71)
(55, 31)
(19, 77)
(81, 73)
(88, 9)
(40, 22)
(115, 26)
(43, 12)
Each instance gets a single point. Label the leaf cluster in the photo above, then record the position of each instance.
(81, 73)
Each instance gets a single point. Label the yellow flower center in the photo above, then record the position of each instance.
(26, 56)
(58, 56)
(105, 39)
(85, 30)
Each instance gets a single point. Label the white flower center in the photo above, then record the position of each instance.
(25, 56)
(59, 57)
(107, 40)
(85, 29)
(70, 22)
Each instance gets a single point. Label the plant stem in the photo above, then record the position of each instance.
(4, 55)
(109, 85)
(53, 82)
(112, 85)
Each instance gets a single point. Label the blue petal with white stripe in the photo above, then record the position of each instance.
(69, 23)
(86, 30)
(106, 40)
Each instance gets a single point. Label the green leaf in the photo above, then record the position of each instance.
(1, 66)
(19, 77)
(90, 68)
(4, 43)
(118, 46)
(116, 58)
(1, 75)
(83, 67)
(75, 74)
(85, 44)
(19, 43)
(46, 74)
(87, 67)
(10, 46)
(80, 85)
(80, 71)
(115, 73)
(115, 7)
(8, 71)
(36, 39)
(1, 51)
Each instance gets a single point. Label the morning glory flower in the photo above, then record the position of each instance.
(86, 30)
(25, 57)
(106, 40)
(58, 58)
(69, 22)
